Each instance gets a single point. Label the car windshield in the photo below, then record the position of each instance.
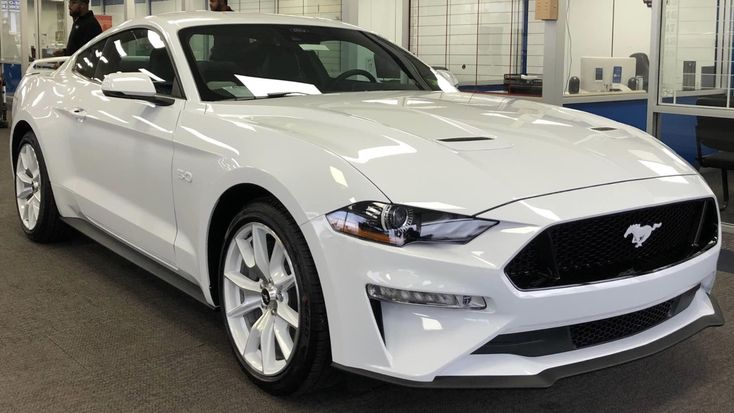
(258, 61)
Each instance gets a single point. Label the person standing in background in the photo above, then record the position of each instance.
(219, 5)
(85, 28)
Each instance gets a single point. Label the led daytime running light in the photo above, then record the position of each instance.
(467, 302)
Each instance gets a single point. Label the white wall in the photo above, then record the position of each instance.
(331, 9)
(117, 11)
(253, 6)
(163, 6)
(388, 18)
(593, 32)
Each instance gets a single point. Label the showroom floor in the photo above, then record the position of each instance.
(85, 331)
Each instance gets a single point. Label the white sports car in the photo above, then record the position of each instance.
(346, 207)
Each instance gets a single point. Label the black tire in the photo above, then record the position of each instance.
(49, 227)
(310, 364)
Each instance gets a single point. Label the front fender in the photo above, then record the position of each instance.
(213, 155)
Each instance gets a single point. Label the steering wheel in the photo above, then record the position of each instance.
(355, 72)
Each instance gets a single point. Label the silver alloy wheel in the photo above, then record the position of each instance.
(261, 298)
(28, 186)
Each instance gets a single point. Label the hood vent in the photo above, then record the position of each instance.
(455, 140)
(604, 129)
(478, 143)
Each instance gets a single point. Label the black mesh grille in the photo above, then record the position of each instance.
(572, 337)
(615, 328)
(597, 249)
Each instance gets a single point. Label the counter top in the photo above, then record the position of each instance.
(585, 97)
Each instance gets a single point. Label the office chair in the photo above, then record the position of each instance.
(642, 68)
(715, 133)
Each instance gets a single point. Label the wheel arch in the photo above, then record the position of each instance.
(21, 128)
(227, 206)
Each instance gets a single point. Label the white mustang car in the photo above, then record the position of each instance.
(346, 207)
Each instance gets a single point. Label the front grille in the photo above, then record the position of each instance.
(561, 339)
(596, 249)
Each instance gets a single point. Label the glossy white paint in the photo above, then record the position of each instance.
(117, 163)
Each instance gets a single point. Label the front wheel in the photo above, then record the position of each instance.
(272, 303)
(35, 202)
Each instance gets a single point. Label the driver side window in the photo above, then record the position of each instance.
(87, 61)
(140, 50)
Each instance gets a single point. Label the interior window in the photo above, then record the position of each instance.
(86, 61)
(139, 50)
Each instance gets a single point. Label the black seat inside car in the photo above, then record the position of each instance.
(217, 71)
(283, 64)
(160, 65)
(133, 63)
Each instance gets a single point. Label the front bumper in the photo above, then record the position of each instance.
(548, 377)
(420, 345)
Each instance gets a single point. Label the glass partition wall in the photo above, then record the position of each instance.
(478, 40)
(695, 51)
(10, 31)
(691, 107)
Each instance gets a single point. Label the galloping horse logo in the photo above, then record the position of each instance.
(640, 234)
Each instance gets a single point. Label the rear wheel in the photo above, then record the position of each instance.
(272, 303)
(35, 203)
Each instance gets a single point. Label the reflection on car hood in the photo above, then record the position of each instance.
(461, 152)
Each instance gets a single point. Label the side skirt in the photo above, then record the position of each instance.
(137, 258)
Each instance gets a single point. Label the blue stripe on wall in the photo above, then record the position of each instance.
(630, 112)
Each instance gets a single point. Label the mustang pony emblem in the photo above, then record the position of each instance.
(640, 234)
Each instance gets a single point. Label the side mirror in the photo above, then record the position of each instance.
(446, 74)
(133, 85)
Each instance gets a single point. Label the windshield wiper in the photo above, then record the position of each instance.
(284, 94)
(235, 98)
(270, 95)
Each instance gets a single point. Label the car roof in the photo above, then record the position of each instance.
(179, 20)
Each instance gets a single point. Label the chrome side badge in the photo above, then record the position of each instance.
(641, 234)
(185, 176)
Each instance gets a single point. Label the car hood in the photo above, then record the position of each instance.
(464, 153)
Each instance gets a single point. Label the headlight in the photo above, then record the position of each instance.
(399, 224)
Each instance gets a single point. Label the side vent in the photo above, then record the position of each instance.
(377, 313)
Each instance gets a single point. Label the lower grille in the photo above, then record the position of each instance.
(614, 246)
(602, 331)
(577, 336)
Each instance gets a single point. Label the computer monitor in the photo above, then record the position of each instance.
(598, 74)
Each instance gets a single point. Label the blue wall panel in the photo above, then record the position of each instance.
(679, 132)
(630, 112)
